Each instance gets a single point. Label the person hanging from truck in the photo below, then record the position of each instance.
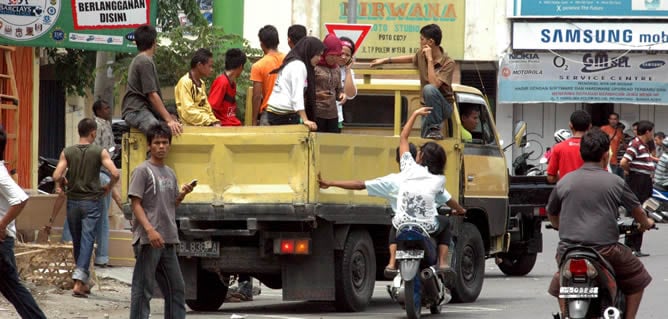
(154, 195)
(328, 88)
(288, 102)
(223, 94)
(142, 103)
(436, 72)
(565, 156)
(424, 171)
(347, 75)
(190, 92)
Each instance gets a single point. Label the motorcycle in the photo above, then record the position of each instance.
(418, 283)
(520, 165)
(588, 283)
(46, 167)
(658, 202)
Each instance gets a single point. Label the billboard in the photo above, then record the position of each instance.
(585, 77)
(397, 24)
(78, 24)
(588, 8)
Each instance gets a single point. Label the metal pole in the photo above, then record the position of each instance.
(352, 11)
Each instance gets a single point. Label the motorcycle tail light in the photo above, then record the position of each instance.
(578, 267)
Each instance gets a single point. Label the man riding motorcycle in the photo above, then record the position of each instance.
(583, 207)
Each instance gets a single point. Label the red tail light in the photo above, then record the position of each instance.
(578, 267)
(292, 246)
(287, 246)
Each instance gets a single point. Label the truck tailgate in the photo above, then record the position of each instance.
(529, 191)
(266, 164)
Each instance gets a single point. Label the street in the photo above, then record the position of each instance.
(502, 297)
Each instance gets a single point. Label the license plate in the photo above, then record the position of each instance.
(578, 292)
(206, 248)
(410, 254)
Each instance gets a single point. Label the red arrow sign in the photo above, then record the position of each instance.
(356, 32)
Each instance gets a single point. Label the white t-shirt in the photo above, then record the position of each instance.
(339, 106)
(388, 187)
(10, 195)
(417, 194)
(288, 93)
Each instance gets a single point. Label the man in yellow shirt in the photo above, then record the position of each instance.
(469, 116)
(190, 92)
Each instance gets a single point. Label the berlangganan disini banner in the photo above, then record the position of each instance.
(586, 77)
(589, 36)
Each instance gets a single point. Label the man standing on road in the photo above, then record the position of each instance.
(639, 167)
(263, 79)
(12, 201)
(583, 207)
(615, 131)
(83, 163)
(436, 73)
(565, 156)
(154, 195)
(142, 104)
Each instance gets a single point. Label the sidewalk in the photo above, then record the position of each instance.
(122, 274)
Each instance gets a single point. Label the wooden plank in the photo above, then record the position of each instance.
(6, 47)
(6, 96)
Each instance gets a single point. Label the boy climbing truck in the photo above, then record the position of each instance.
(258, 209)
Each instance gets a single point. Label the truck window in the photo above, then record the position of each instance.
(483, 134)
(372, 110)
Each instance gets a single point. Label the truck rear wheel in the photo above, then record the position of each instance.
(355, 272)
(211, 292)
(469, 264)
(517, 264)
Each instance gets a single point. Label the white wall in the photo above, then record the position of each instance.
(487, 30)
(258, 13)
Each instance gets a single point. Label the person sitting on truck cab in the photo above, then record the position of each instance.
(566, 155)
(294, 84)
(436, 72)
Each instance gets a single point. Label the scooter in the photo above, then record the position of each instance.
(658, 202)
(588, 283)
(419, 283)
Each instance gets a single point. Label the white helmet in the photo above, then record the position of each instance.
(562, 135)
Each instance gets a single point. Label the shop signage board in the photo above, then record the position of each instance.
(80, 24)
(583, 77)
(588, 8)
(396, 24)
(589, 36)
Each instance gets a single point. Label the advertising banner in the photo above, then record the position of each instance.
(587, 77)
(589, 36)
(79, 24)
(397, 24)
(589, 8)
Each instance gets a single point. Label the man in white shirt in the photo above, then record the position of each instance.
(12, 201)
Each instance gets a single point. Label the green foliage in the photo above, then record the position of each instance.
(75, 68)
(172, 58)
(168, 13)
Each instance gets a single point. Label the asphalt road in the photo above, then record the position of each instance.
(501, 298)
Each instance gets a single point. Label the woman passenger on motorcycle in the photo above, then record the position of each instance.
(422, 180)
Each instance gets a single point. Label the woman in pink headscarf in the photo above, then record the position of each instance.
(328, 87)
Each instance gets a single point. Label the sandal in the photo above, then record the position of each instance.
(79, 294)
(390, 272)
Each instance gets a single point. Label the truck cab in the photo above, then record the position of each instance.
(258, 210)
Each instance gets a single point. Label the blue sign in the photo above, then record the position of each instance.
(591, 8)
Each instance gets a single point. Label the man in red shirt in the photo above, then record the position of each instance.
(224, 89)
(615, 131)
(565, 156)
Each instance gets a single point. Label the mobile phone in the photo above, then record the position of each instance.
(193, 183)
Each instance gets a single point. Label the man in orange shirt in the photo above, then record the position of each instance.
(263, 80)
(615, 132)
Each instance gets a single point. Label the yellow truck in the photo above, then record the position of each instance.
(257, 208)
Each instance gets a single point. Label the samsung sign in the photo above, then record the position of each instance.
(589, 36)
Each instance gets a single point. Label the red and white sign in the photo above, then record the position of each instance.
(90, 14)
(356, 32)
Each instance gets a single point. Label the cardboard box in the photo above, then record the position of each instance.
(36, 214)
(120, 246)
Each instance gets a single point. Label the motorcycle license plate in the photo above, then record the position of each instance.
(410, 254)
(578, 292)
(207, 248)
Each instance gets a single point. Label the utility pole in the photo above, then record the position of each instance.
(352, 11)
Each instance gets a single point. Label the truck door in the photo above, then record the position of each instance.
(485, 182)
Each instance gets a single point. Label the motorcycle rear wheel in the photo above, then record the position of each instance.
(413, 292)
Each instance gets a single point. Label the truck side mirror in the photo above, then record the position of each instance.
(520, 134)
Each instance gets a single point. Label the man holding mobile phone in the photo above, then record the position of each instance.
(154, 195)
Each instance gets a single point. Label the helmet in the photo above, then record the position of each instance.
(562, 135)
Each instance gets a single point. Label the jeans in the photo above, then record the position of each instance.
(282, 119)
(162, 266)
(82, 216)
(441, 109)
(246, 285)
(67, 234)
(10, 284)
(142, 119)
(102, 227)
(617, 170)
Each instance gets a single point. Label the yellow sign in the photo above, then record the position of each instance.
(397, 24)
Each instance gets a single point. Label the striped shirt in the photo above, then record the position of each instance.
(661, 175)
(638, 154)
